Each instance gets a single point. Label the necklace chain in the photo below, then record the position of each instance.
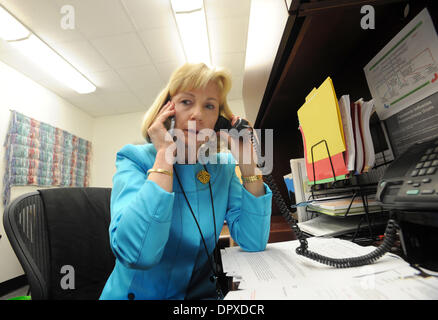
(213, 268)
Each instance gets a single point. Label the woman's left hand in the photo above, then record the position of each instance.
(243, 152)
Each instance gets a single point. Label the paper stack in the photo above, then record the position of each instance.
(360, 117)
(325, 225)
(342, 207)
(279, 273)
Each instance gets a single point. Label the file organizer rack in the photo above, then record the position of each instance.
(347, 190)
(329, 157)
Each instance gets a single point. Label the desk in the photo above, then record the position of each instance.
(280, 231)
(279, 273)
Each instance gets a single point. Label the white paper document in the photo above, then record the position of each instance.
(347, 124)
(326, 225)
(279, 273)
(405, 71)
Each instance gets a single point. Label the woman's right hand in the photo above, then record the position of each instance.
(157, 131)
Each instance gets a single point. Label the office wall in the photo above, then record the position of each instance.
(19, 93)
(111, 133)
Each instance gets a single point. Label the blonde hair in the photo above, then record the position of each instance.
(185, 78)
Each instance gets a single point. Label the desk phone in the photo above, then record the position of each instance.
(411, 181)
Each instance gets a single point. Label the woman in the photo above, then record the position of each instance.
(166, 217)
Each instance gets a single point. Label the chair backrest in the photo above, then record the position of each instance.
(25, 225)
(60, 237)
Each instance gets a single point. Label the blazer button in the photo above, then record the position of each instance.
(131, 296)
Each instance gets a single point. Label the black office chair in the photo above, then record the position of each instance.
(60, 237)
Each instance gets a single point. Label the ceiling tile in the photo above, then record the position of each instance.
(163, 44)
(166, 69)
(150, 14)
(146, 96)
(228, 35)
(89, 103)
(122, 51)
(108, 81)
(141, 77)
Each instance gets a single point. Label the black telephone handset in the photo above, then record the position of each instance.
(224, 123)
(169, 124)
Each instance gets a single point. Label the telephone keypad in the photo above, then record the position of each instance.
(419, 184)
(426, 165)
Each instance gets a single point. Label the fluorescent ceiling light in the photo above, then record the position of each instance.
(41, 54)
(11, 28)
(48, 60)
(192, 26)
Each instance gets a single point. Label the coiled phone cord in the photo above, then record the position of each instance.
(385, 246)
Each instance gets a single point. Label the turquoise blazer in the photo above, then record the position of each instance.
(152, 232)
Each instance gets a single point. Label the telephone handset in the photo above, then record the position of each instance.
(169, 124)
(224, 123)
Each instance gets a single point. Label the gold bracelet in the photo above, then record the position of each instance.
(251, 178)
(160, 171)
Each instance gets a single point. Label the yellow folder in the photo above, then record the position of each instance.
(320, 119)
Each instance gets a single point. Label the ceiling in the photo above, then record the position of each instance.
(127, 48)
